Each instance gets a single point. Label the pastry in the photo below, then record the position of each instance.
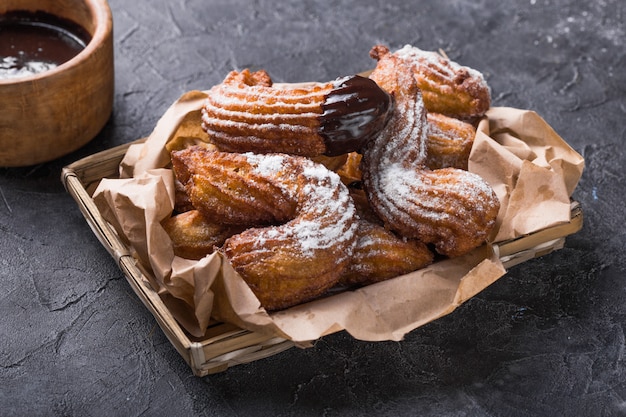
(303, 253)
(404, 136)
(224, 187)
(247, 113)
(453, 209)
(448, 142)
(447, 87)
(194, 237)
(379, 255)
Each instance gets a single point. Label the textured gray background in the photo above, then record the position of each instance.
(547, 339)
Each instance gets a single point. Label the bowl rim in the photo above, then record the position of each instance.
(101, 12)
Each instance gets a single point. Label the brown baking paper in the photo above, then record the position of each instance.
(532, 170)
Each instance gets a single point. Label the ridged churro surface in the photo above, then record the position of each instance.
(312, 219)
(448, 142)
(451, 208)
(247, 113)
(447, 87)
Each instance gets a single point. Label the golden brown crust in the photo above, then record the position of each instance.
(193, 237)
(279, 273)
(449, 142)
(246, 113)
(225, 188)
(447, 87)
(294, 261)
(451, 208)
(380, 255)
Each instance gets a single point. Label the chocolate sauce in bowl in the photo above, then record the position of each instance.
(31, 43)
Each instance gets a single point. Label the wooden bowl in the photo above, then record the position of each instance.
(52, 113)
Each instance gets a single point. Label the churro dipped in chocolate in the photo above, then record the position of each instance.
(247, 113)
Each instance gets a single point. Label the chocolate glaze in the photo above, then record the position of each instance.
(33, 42)
(353, 112)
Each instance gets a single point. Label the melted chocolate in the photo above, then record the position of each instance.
(31, 43)
(354, 112)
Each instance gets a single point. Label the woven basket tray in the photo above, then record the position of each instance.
(225, 345)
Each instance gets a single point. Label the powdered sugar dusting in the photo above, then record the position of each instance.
(404, 137)
(266, 165)
(435, 61)
(393, 181)
(325, 217)
(237, 99)
(320, 173)
(326, 200)
(444, 206)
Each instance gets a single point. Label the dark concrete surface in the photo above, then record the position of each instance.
(545, 340)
